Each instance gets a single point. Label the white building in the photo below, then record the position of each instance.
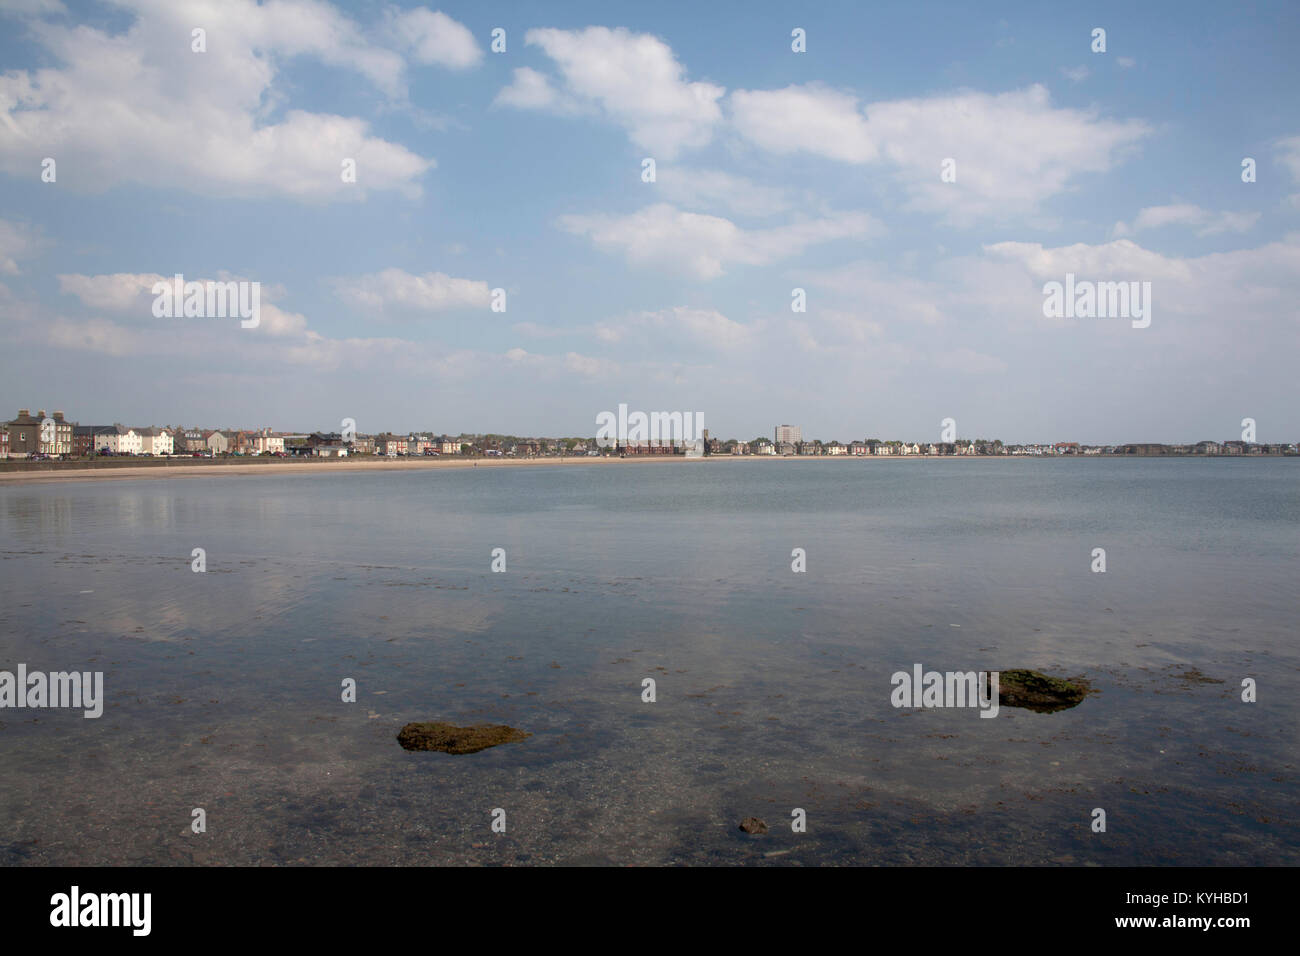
(119, 440)
(155, 441)
(264, 441)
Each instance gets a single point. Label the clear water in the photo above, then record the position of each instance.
(773, 688)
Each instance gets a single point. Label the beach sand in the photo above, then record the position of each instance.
(187, 468)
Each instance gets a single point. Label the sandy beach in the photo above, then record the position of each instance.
(188, 468)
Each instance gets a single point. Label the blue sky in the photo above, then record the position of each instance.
(775, 170)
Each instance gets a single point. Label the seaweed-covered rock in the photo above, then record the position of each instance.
(1038, 692)
(450, 739)
(753, 825)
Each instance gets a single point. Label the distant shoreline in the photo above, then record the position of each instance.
(18, 472)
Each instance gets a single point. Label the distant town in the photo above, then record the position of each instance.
(41, 436)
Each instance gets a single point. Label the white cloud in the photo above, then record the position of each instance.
(204, 344)
(632, 79)
(16, 242)
(397, 290)
(707, 188)
(136, 331)
(118, 292)
(434, 38)
(317, 351)
(702, 246)
(277, 322)
(562, 367)
(1199, 299)
(990, 306)
(1012, 150)
(881, 296)
(809, 118)
(1289, 155)
(673, 327)
(98, 335)
(140, 106)
(131, 293)
(585, 365)
(1075, 74)
(1203, 221)
(1121, 259)
(530, 90)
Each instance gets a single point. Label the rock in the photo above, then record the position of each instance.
(450, 739)
(1038, 692)
(753, 825)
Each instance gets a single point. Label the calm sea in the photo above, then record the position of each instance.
(223, 689)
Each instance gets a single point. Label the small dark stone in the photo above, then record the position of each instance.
(753, 825)
(450, 739)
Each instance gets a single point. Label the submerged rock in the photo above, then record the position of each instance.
(1038, 692)
(450, 739)
(753, 825)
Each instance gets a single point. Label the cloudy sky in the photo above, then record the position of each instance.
(524, 171)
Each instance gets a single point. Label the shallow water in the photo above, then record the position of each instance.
(773, 688)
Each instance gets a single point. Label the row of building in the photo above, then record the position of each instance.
(53, 436)
(856, 449)
(788, 440)
(976, 447)
(335, 445)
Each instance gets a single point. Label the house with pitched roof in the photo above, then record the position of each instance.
(155, 441)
